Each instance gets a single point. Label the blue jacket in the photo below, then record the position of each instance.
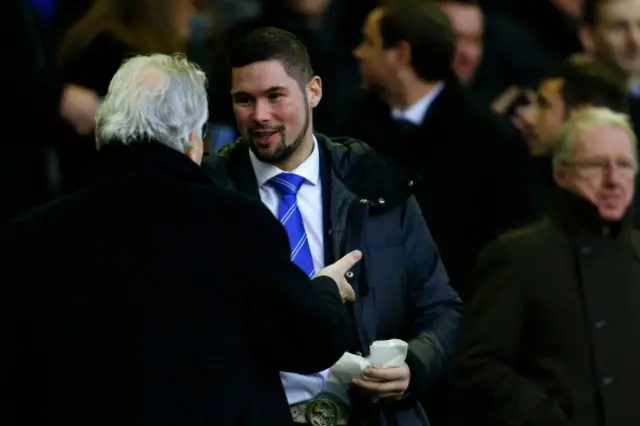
(401, 284)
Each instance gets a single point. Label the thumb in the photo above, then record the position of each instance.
(350, 259)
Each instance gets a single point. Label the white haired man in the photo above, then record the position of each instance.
(154, 294)
(551, 335)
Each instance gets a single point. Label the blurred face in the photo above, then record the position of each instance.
(468, 25)
(373, 58)
(312, 8)
(545, 116)
(602, 169)
(616, 36)
(273, 113)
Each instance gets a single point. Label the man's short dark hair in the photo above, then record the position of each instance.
(590, 82)
(425, 27)
(270, 43)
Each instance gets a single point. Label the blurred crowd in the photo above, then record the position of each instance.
(503, 51)
(469, 98)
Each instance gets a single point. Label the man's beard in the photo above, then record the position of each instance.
(282, 151)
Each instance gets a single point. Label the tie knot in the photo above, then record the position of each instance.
(287, 183)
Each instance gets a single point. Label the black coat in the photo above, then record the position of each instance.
(474, 171)
(402, 289)
(154, 298)
(551, 337)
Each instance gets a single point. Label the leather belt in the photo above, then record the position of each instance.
(323, 410)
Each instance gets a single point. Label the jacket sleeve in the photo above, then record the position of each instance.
(301, 325)
(485, 379)
(435, 307)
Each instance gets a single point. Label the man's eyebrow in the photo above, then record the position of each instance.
(276, 89)
(269, 90)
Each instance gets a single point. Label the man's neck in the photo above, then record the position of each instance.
(299, 156)
(410, 92)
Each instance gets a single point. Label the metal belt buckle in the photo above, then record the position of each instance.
(322, 411)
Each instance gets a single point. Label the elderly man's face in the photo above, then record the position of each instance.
(602, 169)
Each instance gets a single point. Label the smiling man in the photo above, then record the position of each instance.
(331, 195)
(550, 336)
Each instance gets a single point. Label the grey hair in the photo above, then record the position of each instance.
(584, 120)
(155, 97)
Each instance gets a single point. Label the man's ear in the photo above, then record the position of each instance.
(560, 175)
(196, 148)
(403, 53)
(314, 91)
(586, 35)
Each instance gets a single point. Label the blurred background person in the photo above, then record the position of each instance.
(471, 166)
(467, 21)
(522, 40)
(38, 107)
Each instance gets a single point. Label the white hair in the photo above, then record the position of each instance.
(156, 97)
(584, 120)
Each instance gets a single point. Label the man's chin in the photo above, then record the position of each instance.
(265, 154)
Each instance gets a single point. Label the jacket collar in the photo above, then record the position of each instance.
(145, 156)
(362, 171)
(581, 217)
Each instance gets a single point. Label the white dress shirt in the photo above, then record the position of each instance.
(415, 113)
(299, 388)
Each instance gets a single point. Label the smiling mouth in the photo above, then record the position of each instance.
(264, 137)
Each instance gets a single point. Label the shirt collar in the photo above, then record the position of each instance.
(309, 169)
(416, 112)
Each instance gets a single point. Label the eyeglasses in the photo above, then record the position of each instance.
(593, 167)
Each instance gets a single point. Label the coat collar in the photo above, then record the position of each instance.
(362, 171)
(144, 156)
(581, 217)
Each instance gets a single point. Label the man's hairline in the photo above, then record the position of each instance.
(301, 83)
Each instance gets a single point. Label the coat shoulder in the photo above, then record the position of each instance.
(531, 240)
(635, 238)
(528, 234)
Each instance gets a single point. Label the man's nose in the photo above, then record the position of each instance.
(613, 175)
(261, 111)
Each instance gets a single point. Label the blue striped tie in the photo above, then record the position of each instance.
(288, 185)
